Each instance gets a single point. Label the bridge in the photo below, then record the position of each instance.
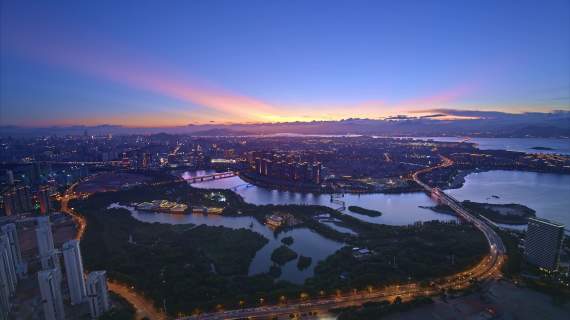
(495, 242)
(214, 176)
(241, 186)
(489, 267)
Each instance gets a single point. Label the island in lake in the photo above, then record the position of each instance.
(511, 213)
(364, 211)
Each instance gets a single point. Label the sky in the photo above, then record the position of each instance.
(171, 63)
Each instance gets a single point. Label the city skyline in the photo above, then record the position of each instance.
(229, 62)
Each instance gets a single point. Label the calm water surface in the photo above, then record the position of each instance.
(560, 146)
(548, 194)
(306, 242)
(397, 209)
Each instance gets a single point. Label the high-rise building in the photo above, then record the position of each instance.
(8, 278)
(12, 233)
(36, 172)
(146, 160)
(316, 178)
(10, 203)
(258, 166)
(10, 175)
(543, 243)
(17, 200)
(24, 198)
(74, 271)
(5, 304)
(97, 293)
(45, 202)
(48, 255)
(50, 289)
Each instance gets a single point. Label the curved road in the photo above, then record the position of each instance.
(143, 306)
(488, 268)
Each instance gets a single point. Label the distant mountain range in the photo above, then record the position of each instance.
(473, 123)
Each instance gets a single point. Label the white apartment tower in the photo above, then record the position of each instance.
(12, 233)
(97, 293)
(50, 288)
(8, 278)
(74, 271)
(48, 255)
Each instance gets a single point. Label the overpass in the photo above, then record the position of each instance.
(489, 267)
(495, 242)
(214, 176)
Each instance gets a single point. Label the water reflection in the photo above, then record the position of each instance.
(397, 209)
(546, 193)
(306, 242)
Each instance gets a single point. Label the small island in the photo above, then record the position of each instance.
(440, 208)
(542, 148)
(283, 255)
(287, 241)
(304, 262)
(511, 213)
(364, 211)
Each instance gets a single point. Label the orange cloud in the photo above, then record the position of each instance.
(436, 100)
(138, 74)
(223, 105)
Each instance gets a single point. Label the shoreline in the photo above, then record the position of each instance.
(326, 191)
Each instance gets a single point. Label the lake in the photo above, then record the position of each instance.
(306, 242)
(560, 146)
(548, 194)
(397, 209)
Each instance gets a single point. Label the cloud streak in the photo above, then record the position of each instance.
(115, 64)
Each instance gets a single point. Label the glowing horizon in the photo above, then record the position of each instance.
(59, 69)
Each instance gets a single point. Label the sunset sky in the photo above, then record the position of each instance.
(168, 63)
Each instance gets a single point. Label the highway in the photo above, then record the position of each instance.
(488, 268)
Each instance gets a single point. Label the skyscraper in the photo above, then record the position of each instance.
(10, 176)
(24, 198)
(45, 202)
(48, 255)
(4, 304)
(316, 173)
(8, 278)
(97, 293)
(50, 289)
(146, 160)
(12, 233)
(10, 204)
(543, 243)
(74, 271)
(17, 200)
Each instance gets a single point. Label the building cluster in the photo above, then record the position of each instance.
(278, 167)
(161, 206)
(280, 219)
(54, 291)
(30, 187)
(16, 200)
(543, 243)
